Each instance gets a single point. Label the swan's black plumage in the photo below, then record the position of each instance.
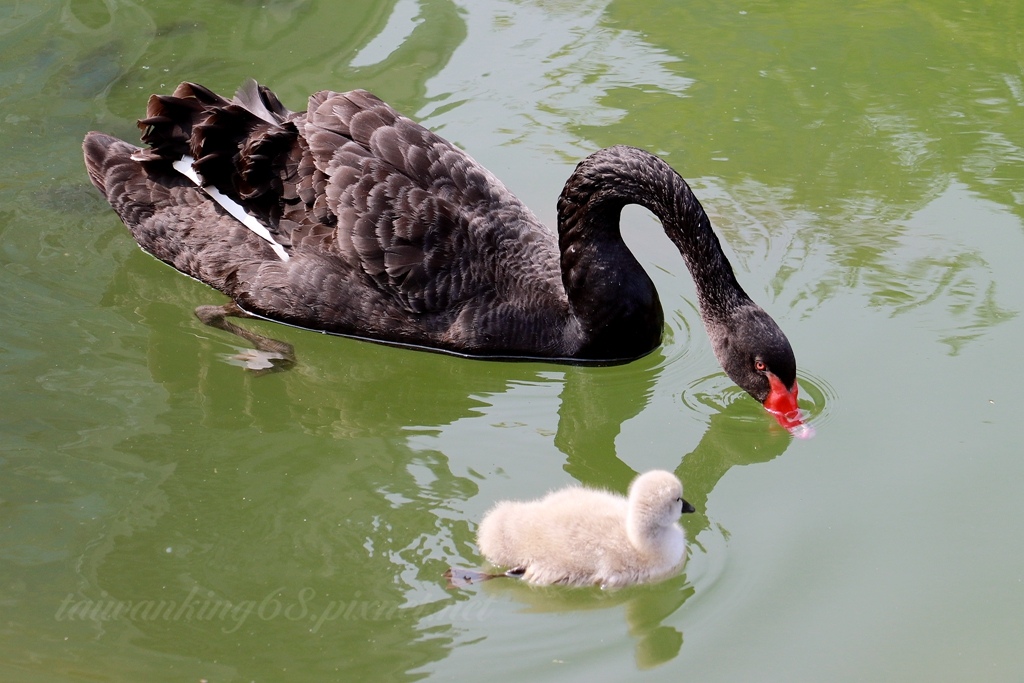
(392, 233)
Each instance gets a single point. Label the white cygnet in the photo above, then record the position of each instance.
(579, 536)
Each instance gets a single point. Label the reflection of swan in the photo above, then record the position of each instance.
(580, 536)
(644, 609)
(353, 219)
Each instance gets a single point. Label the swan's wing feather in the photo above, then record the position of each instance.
(415, 213)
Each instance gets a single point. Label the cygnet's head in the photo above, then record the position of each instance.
(656, 500)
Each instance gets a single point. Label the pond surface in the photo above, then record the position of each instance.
(165, 516)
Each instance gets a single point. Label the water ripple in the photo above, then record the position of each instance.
(714, 393)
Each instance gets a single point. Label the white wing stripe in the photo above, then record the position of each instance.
(184, 167)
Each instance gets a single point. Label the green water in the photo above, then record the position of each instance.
(165, 516)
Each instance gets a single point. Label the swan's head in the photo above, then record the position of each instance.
(656, 501)
(756, 355)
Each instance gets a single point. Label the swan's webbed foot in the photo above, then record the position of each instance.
(270, 355)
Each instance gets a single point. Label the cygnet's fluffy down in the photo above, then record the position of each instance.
(578, 536)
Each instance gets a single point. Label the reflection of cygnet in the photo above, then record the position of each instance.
(580, 536)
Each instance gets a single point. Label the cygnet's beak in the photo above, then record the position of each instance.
(687, 507)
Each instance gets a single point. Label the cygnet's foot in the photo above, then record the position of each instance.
(270, 355)
(463, 578)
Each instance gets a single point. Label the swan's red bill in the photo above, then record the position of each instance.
(781, 403)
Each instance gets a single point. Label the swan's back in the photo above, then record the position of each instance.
(388, 231)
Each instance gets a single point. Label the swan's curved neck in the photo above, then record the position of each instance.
(597, 267)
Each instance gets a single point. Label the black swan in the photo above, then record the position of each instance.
(352, 219)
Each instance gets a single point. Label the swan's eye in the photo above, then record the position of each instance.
(760, 366)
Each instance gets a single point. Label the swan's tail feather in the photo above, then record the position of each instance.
(95, 150)
(160, 207)
(113, 168)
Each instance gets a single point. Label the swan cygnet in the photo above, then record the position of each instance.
(578, 536)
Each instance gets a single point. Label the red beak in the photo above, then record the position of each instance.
(781, 403)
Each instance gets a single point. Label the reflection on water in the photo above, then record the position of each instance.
(897, 263)
(341, 423)
(863, 165)
(644, 609)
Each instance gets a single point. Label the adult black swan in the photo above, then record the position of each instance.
(352, 219)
